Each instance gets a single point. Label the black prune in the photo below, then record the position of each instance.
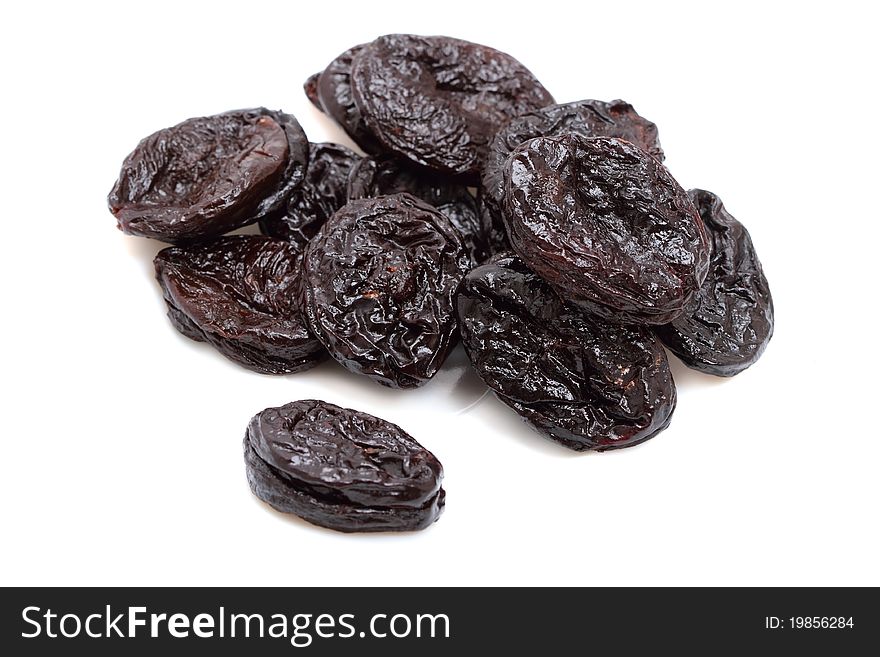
(342, 469)
(310, 87)
(607, 225)
(321, 194)
(583, 382)
(238, 294)
(438, 101)
(334, 92)
(380, 176)
(377, 288)
(209, 175)
(588, 118)
(727, 325)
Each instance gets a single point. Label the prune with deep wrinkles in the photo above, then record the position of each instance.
(342, 469)
(607, 225)
(238, 294)
(438, 101)
(583, 382)
(209, 175)
(321, 194)
(380, 176)
(378, 285)
(589, 118)
(729, 322)
(335, 94)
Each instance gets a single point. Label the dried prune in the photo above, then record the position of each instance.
(378, 284)
(342, 469)
(727, 325)
(321, 194)
(334, 92)
(238, 294)
(438, 101)
(380, 176)
(607, 225)
(581, 381)
(589, 118)
(209, 175)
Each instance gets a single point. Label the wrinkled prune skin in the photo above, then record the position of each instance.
(437, 100)
(321, 194)
(380, 176)
(588, 118)
(295, 169)
(377, 288)
(729, 322)
(492, 224)
(200, 178)
(335, 94)
(607, 225)
(342, 469)
(583, 382)
(238, 294)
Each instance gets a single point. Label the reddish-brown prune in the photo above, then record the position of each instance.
(209, 175)
(588, 118)
(607, 225)
(342, 469)
(310, 87)
(437, 101)
(238, 294)
(583, 382)
(321, 194)
(377, 288)
(727, 325)
(335, 95)
(380, 176)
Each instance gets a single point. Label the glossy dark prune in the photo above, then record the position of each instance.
(588, 118)
(607, 225)
(437, 101)
(380, 176)
(583, 382)
(342, 469)
(310, 87)
(238, 294)
(377, 288)
(209, 175)
(335, 94)
(729, 322)
(322, 193)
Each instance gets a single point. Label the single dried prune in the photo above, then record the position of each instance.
(727, 325)
(334, 92)
(583, 382)
(438, 101)
(238, 294)
(377, 288)
(588, 118)
(207, 176)
(342, 469)
(607, 225)
(322, 193)
(380, 176)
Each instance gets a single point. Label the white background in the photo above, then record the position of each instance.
(122, 439)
